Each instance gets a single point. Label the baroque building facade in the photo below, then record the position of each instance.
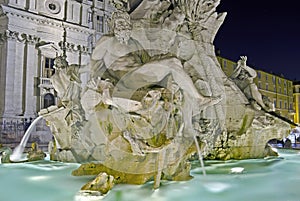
(277, 89)
(32, 34)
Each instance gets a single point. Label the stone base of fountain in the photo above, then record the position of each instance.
(35, 153)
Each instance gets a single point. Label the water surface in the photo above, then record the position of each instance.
(269, 179)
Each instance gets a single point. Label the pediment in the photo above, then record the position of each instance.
(49, 49)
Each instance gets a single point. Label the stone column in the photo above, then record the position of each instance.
(30, 71)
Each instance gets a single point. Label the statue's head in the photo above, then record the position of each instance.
(60, 62)
(121, 26)
(120, 4)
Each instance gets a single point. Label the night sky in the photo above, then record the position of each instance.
(266, 31)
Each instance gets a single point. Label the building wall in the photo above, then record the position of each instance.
(296, 90)
(278, 89)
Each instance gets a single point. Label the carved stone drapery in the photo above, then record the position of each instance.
(71, 47)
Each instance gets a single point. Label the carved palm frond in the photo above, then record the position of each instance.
(197, 10)
(190, 8)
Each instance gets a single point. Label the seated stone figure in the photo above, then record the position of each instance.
(66, 81)
(243, 76)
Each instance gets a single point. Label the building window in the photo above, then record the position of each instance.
(48, 100)
(259, 85)
(267, 86)
(273, 79)
(291, 106)
(274, 103)
(258, 75)
(89, 16)
(280, 104)
(285, 105)
(99, 24)
(48, 69)
(224, 63)
(279, 81)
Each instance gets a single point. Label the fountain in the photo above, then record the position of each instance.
(156, 96)
(17, 155)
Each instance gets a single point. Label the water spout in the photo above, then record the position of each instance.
(18, 151)
(200, 155)
(160, 163)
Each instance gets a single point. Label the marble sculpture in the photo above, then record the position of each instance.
(155, 91)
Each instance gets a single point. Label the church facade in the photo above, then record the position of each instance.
(32, 34)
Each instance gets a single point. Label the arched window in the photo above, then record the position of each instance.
(49, 100)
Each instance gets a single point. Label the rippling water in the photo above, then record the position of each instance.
(270, 179)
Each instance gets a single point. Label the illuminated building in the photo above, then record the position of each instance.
(278, 89)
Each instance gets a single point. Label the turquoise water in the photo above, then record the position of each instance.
(270, 179)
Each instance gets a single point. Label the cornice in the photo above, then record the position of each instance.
(77, 28)
(39, 19)
(33, 40)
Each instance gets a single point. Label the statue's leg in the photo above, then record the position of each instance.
(256, 95)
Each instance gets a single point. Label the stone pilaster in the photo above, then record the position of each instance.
(30, 71)
(18, 77)
(2, 70)
(9, 73)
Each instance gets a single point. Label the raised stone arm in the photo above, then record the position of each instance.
(243, 71)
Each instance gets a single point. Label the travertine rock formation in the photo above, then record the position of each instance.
(155, 91)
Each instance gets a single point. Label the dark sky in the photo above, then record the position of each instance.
(266, 31)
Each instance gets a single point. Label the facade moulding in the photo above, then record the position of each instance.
(20, 37)
(45, 20)
(77, 28)
(71, 47)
